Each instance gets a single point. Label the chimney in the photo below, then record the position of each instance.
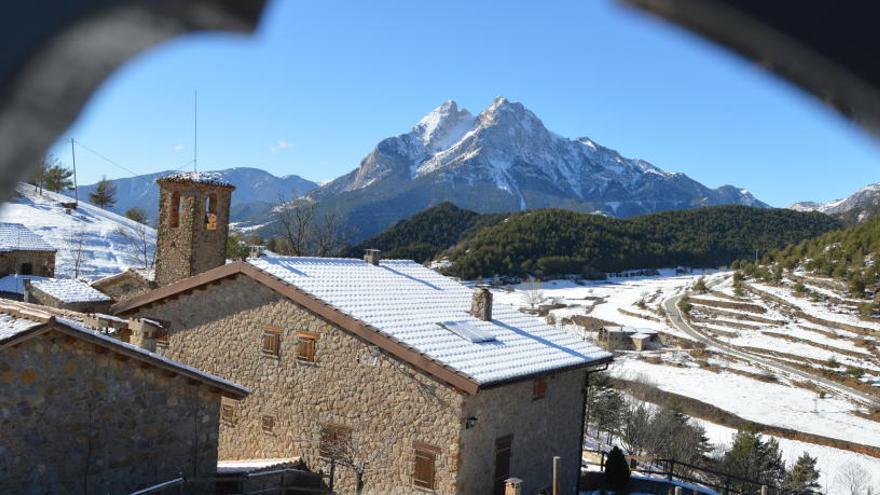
(143, 333)
(512, 486)
(372, 257)
(481, 304)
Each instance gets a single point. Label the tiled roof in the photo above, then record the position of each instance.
(209, 178)
(68, 290)
(408, 302)
(17, 237)
(18, 318)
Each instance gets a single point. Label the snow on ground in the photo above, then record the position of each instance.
(767, 403)
(829, 460)
(110, 243)
(822, 310)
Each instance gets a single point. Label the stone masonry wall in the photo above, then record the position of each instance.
(124, 287)
(541, 429)
(190, 248)
(43, 262)
(74, 420)
(388, 405)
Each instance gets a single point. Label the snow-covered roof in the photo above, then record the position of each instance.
(68, 290)
(15, 283)
(254, 465)
(208, 178)
(16, 319)
(17, 237)
(414, 305)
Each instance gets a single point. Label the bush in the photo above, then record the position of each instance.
(617, 470)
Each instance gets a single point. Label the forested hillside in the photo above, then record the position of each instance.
(556, 241)
(849, 254)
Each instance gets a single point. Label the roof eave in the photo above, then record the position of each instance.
(553, 371)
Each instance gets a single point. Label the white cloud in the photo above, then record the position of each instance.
(280, 145)
(178, 148)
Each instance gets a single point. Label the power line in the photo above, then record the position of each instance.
(99, 155)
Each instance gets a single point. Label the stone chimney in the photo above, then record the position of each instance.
(372, 256)
(143, 333)
(481, 303)
(512, 486)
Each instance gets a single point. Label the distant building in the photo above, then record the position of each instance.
(383, 362)
(22, 252)
(127, 284)
(617, 338)
(193, 225)
(67, 293)
(83, 412)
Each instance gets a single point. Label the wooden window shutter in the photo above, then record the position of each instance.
(425, 466)
(271, 342)
(306, 346)
(539, 388)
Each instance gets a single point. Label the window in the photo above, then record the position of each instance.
(272, 342)
(539, 388)
(267, 423)
(211, 212)
(227, 414)
(26, 269)
(503, 452)
(334, 440)
(162, 336)
(175, 209)
(306, 346)
(425, 466)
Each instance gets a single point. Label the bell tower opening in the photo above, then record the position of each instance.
(193, 225)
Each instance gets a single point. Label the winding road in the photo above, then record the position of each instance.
(678, 321)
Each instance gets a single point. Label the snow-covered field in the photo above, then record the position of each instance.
(780, 404)
(105, 242)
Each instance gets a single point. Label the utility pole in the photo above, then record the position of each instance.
(73, 161)
(195, 130)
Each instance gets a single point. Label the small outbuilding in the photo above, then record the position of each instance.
(67, 293)
(619, 338)
(83, 412)
(23, 252)
(127, 284)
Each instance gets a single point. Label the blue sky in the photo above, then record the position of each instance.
(322, 81)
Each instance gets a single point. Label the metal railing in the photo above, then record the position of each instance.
(672, 470)
(289, 480)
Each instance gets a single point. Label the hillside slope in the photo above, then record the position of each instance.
(104, 242)
(555, 242)
(860, 206)
(503, 160)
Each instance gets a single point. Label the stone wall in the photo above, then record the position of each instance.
(190, 248)
(123, 286)
(35, 295)
(74, 420)
(389, 406)
(42, 262)
(541, 429)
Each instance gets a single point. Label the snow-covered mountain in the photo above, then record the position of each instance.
(504, 159)
(255, 191)
(861, 205)
(100, 241)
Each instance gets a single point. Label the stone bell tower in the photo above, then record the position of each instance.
(193, 225)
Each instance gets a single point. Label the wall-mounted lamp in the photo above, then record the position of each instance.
(470, 423)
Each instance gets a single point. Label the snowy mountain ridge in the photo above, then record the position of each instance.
(505, 159)
(859, 206)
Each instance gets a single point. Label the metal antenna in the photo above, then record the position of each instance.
(195, 130)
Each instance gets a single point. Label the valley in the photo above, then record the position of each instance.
(735, 359)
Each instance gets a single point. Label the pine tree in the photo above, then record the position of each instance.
(56, 177)
(137, 214)
(754, 458)
(616, 469)
(803, 478)
(104, 195)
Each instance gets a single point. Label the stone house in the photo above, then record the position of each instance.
(82, 412)
(126, 284)
(23, 252)
(383, 368)
(67, 293)
(617, 338)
